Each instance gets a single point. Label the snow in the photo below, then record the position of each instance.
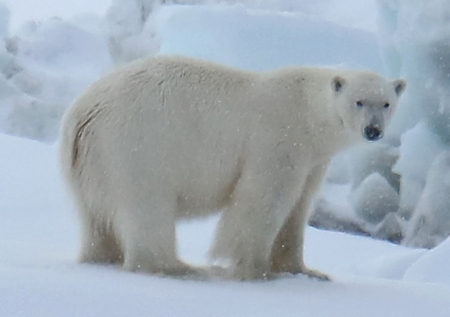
(26, 10)
(430, 223)
(271, 38)
(4, 20)
(374, 198)
(431, 267)
(50, 52)
(414, 37)
(130, 32)
(46, 65)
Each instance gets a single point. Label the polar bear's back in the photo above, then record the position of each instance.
(158, 119)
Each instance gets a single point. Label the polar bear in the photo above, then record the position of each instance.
(170, 137)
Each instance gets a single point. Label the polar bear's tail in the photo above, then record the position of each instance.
(76, 141)
(68, 143)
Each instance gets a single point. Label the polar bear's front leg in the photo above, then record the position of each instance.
(248, 228)
(287, 252)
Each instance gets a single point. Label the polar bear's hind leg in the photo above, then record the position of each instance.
(100, 244)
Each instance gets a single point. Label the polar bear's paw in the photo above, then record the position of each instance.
(295, 269)
(177, 269)
(317, 275)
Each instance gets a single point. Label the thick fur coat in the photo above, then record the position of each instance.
(170, 137)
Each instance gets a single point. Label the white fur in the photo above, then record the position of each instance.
(169, 137)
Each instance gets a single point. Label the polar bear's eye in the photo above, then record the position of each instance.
(359, 104)
(386, 105)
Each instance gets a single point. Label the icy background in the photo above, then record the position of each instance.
(397, 189)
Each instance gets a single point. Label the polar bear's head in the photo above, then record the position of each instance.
(366, 102)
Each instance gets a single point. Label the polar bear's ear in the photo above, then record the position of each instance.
(399, 86)
(337, 83)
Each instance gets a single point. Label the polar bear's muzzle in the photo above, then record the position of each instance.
(373, 132)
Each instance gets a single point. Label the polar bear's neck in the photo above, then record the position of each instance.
(299, 104)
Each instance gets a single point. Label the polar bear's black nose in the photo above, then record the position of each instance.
(372, 132)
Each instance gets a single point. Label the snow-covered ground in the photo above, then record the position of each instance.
(45, 64)
(40, 277)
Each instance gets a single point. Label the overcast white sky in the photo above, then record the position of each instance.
(23, 10)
